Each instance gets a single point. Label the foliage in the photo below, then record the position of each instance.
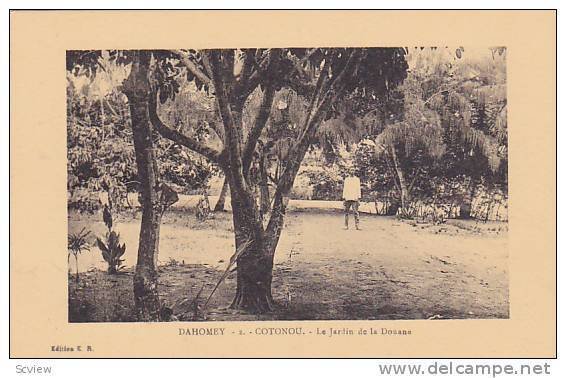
(327, 183)
(375, 178)
(448, 129)
(100, 147)
(191, 112)
(470, 98)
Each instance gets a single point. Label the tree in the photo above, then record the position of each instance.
(100, 150)
(221, 203)
(471, 99)
(154, 197)
(100, 154)
(322, 77)
(412, 142)
(136, 87)
(444, 127)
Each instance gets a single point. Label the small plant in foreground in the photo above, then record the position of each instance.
(111, 249)
(76, 244)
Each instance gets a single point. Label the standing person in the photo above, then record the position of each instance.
(352, 193)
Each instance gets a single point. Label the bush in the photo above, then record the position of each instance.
(111, 249)
(326, 183)
(84, 200)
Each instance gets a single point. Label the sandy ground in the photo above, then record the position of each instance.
(388, 270)
(179, 226)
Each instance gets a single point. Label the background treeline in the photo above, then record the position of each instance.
(434, 146)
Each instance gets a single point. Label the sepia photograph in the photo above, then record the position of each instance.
(282, 184)
(321, 183)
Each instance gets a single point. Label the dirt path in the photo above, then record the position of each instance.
(390, 265)
(388, 270)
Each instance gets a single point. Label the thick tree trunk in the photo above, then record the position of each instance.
(221, 203)
(255, 263)
(137, 89)
(255, 269)
(253, 291)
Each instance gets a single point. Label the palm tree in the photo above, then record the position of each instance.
(409, 131)
(449, 114)
(473, 107)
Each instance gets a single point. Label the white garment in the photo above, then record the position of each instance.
(352, 189)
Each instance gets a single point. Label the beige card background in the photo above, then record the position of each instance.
(38, 311)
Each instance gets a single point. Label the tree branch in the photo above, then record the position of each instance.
(192, 67)
(233, 138)
(410, 189)
(177, 137)
(298, 63)
(258, 126)
(331, 91)
(247, 66)
(317, 110)
(261, 70)
(296, 154)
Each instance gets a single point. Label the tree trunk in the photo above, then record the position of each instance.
(404, 189)
(393, 206)
(102, 115)
(220, 205)
(253, 291)
(265, 202)
(255, 266)
(137, 89)
(255, 262)
(466, 202)
(77, 266)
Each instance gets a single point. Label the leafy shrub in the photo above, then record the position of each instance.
(326, 183)
(111, 249)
